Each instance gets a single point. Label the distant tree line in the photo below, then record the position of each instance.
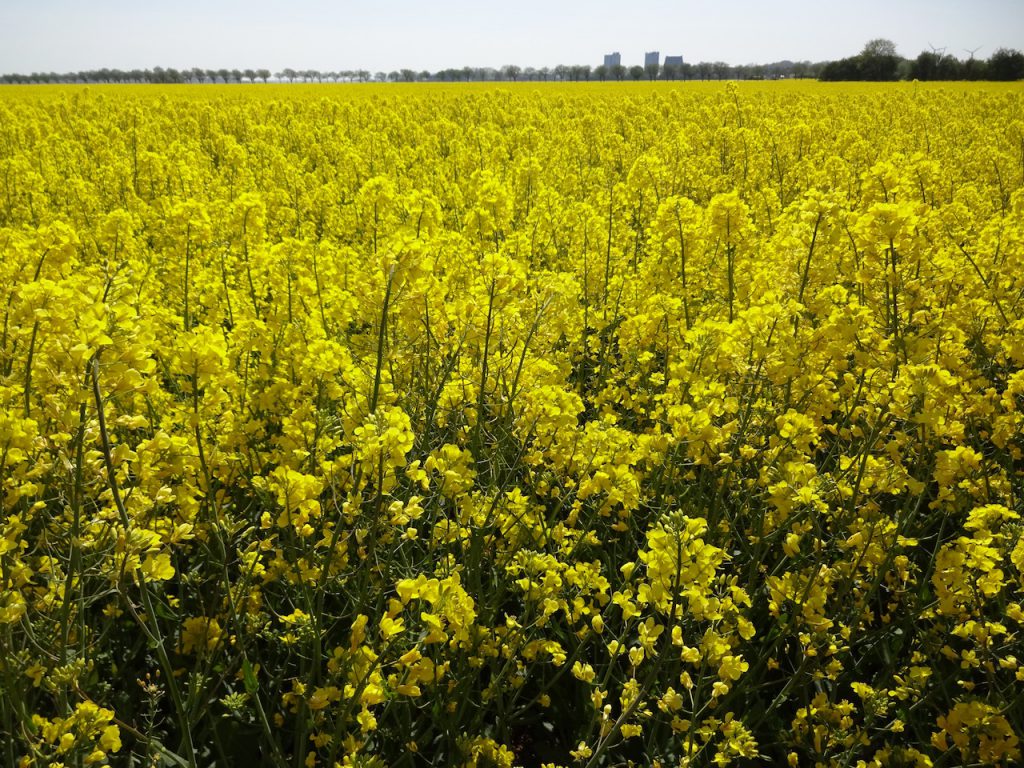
(878, 61)
(705, 70)
(194, 75)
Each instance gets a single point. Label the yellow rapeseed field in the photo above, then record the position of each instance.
(569, 425)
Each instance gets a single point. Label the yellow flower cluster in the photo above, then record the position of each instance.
(649, 424)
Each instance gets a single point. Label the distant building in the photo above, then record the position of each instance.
(612, 59)
(673, 61)
(652, 59)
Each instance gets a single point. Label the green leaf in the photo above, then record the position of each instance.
(249, 677)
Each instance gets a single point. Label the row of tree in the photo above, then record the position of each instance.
(705, 70)
(877, 61)
(155, 75)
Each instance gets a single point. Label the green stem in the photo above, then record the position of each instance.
(153, 631)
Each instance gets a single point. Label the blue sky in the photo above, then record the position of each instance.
(64, 35)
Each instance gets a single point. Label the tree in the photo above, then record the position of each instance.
(618, 71)
(879, 47)
(842, 70)
(511, 72)
(1006, 64)
(602, 72)
(636, 72)
(263, 74)
(973, 69)
(652, 71)
(878, 60)
(925, 66)
(932, 65)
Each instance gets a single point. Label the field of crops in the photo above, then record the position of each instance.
(591, 425)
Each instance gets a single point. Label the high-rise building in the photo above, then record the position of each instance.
(673, 61)
(652, 59)
(612, 59)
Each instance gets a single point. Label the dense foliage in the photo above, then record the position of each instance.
(1005, 64)
(462, 426)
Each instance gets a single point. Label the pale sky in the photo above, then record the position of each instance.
(70, 35)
